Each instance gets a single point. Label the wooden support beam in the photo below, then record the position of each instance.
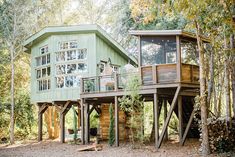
(156, 117)
(79, 117)
(82, 121)
(98, 110)
(165, 116)
(92, 109)
(62, 128)
(179, 68)
(67, 105)
(187, 127)
(115, 81)
(169, 116)
(41, 110)
(86, 113)
(116, 122)
(40, 121)
(180, 117)
(63, 112)
(154, 73)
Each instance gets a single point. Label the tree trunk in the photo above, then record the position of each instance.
(12, 123)
(56, 122)
(211, 81)
(215, 101)
(48, 120)
(232, 45)
(220, 90)
(227, 81)
(203, 100)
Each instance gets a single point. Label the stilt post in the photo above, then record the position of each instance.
(116, 122)
(165, 116)
(42, 109)
(156, 117)
(82, 121)
(180, 117)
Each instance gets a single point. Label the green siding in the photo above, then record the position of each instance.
(56, 94)
(105, 51)
(97, 49)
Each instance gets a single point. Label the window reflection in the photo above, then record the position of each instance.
(189, 53)
(158, 50)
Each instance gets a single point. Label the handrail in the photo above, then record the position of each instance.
(155, 74)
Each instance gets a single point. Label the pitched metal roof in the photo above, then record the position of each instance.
(76, 29)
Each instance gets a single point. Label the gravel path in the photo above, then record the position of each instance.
(50, 148)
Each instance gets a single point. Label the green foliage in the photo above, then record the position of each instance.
(132, 105)
(24, 117)
(94, 119)
(111, 126)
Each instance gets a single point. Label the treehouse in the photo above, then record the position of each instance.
(61, 56)
(168, 66)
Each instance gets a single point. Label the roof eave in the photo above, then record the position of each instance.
(165, 33)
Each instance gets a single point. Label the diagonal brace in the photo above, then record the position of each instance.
(173, 104)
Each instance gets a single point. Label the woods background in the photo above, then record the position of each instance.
(22, 18)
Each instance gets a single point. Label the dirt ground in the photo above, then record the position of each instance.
(54, 148)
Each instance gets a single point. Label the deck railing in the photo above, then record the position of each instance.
(156, 74)
(105, 83)
(167, 73)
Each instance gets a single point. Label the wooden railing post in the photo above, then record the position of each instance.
(178, 69)
(82, 122)
(81, 85)
(98, 84)
(115, 81)
(154, 74)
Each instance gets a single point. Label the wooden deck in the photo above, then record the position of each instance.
(160, 83)
(152, 78)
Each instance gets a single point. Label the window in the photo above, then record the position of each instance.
(44, 49)
(71, 55)
(68, 45)
(71, 68)
(43, 73)
(43, 78)
(67, 81)
(82, 67)
(82, 53)
(60, 82)
(102, 67)
(79, 54)
(71, 64)
(44, 57)
(115, 68)
(60, 56)
(189, 53)
(60, 69)
(158, 50)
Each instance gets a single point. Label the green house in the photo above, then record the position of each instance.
(61, 55)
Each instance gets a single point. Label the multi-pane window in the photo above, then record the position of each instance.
(43, 78)
(158, 50)
(78, 54)
(44, 57)
(68, 45)
(43, 70)
(189, 53)
(71, 64)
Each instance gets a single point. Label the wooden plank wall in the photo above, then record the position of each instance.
(166, 73)
(190, 73)
(105, 120)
